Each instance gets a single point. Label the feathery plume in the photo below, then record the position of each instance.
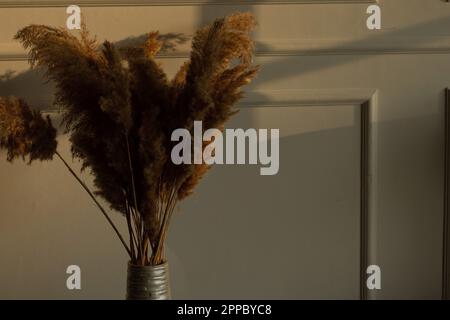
(25, 133)
(120, 111)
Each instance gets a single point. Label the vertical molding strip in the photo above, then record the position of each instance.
(446, 218)
(365, 138)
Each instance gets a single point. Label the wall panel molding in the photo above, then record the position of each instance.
(122, 3)
(446, 214)
(367, 100)
(371, 45)
(307, 97)
(297, 47)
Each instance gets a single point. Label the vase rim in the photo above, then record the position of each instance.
(165, 263)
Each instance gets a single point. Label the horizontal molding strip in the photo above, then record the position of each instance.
(296, 98)
(132, 3)
(306, 98)
(370, 45)
(271, 48)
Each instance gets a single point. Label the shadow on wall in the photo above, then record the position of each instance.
(169, 40)
(245, 243)
(295, 235)
(208, 13)
(31, 86)
(282, 68)
(240, 235)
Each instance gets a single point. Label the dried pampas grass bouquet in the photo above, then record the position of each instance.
(120, 110)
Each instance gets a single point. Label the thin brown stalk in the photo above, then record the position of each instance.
(146, 247)
(169, 207)
(95, 201)
(131, 233)
(133, 187)
(137, 227)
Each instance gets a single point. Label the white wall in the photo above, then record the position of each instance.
(306, 50)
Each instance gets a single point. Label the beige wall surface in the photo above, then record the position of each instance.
(241, 235)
